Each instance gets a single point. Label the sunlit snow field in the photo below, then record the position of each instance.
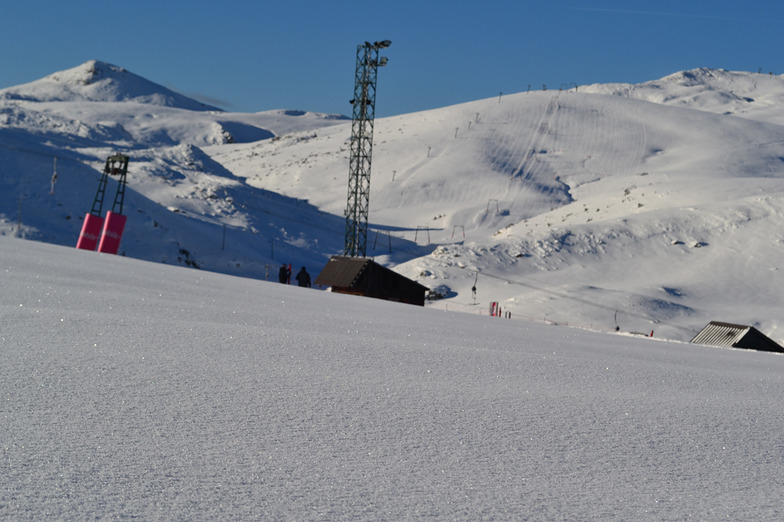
(653, 206)
(130, 389)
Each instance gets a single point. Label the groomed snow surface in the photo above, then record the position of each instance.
(132, 389)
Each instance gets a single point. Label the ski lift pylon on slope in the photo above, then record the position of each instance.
(109, 230)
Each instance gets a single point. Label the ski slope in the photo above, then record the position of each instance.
(136, 389)
(649, 207)
(606, 207)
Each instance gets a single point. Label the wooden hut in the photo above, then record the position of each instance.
(736, 336)
(363, 276)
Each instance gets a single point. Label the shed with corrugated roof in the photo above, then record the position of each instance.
(363, 276)
(736, 336)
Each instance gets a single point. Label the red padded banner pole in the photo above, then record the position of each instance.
(91, 231)
(112, 233)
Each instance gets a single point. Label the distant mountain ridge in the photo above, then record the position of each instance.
(98, 81)
(112, 105)
(754, 95)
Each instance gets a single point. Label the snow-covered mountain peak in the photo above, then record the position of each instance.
(98, 81)
(88, 73)
(703, 76)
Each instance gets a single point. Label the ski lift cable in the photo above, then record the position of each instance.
(582, 301)
(569, 297)
(500, 278)
(58, 156)
(31, 151)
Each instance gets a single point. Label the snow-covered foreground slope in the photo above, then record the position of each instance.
(132, 389)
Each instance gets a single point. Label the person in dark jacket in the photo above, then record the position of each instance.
(303, 278)
(284, 274)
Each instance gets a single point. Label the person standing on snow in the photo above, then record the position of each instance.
(303, 278)
(284, 274)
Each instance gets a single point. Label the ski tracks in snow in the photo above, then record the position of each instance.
(576, 139)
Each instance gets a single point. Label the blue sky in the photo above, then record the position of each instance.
(249, 56)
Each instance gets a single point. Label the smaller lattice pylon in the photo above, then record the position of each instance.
(109, 231)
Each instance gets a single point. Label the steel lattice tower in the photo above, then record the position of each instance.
(364, 104)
